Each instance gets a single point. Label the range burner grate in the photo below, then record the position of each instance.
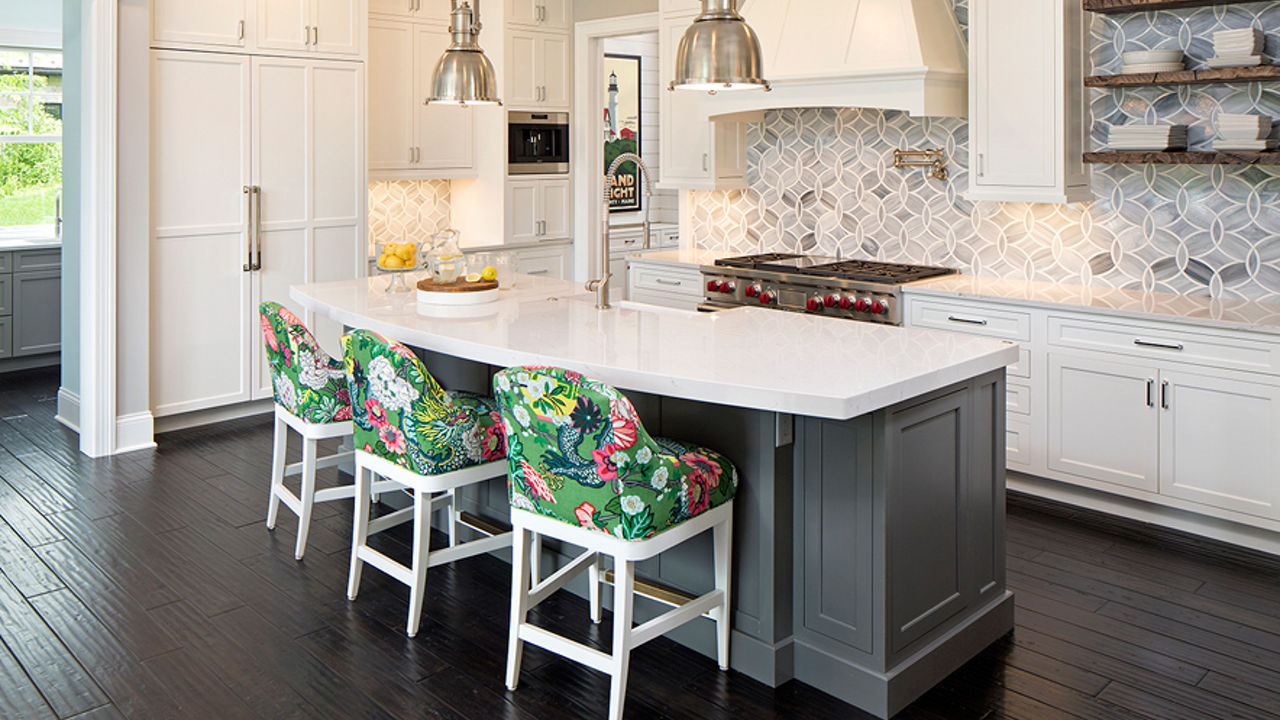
(873, 271)
(752, 261)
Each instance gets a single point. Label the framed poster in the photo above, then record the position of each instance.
(622, 128)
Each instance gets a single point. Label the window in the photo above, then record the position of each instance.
(30, 139)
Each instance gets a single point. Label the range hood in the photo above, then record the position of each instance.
(888, 54)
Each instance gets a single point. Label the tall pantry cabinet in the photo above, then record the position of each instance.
(258, 182)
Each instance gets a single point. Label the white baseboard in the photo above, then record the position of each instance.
(135, 432)
(69, 409)
(169, 423)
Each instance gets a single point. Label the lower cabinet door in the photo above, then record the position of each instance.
(6, 335)
(1220, 442)
(1103, 420)
(37, 313)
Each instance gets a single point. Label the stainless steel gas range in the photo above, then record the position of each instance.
(864, 290)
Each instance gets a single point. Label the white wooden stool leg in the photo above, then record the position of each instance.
(519, 602)
(593, 589)
(623, 599)
(453, 518)
(535, 559)
(278, 453)
(308, 496)
(421, 551)
(360, 529)
(723, 534)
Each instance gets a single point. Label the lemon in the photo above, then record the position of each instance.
(393, 263)
(490, 274)
(473, 278)
(405, 252)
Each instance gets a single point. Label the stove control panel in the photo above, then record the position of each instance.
(870, 305)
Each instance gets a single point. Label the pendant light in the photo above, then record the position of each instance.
(463, 75)
(719, 52)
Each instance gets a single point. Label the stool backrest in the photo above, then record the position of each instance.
(304, 379)
(578, 452)
(403, 415)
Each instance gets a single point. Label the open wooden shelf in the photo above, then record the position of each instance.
(1187, 77)
(1132, 6)
(1183, 158)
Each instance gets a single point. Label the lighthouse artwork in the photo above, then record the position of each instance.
(622, 128)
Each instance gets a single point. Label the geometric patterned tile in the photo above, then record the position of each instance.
(407, 209)
(822, 181)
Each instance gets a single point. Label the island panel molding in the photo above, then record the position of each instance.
(821, 181)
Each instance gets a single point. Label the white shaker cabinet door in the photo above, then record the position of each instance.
(284, 25)
(395, 8)
(556, 209)
(201, 320)
(392, 108)
(338, 26)
(444, 132)
(524, 81)
(1103, 420)
(556, 64)
(524, 212)
(1220, 442)
(211, 23)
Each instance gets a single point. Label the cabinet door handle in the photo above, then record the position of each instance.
(257, 227)
(673, 283)
(537, 272)
(1151, 393)
(1160, 345)
(706, 162)
(306, 35)
(248, 226)
(982, 164)
(966, 321)
(240, 30)
(1164, 394)
(315, 35)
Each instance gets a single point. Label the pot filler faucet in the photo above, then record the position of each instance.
(601, 287)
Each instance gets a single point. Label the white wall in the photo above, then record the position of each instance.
(666, 204)
(72, 83)
(596, 9)
(133, 224)
(31, 23)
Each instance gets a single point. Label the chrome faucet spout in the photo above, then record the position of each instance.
(601, 286)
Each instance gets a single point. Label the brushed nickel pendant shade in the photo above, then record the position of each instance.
(719, 52)
(463, 75)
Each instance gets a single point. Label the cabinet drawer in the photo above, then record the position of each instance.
(541, 265)
(37, 260)
(1164, 343)
(630, 241)
(669, 239)
(6, 295)
(1018, 398)
(6, 262)
(667, 280)
(1017, 438)
(971, 319)
(664, 299)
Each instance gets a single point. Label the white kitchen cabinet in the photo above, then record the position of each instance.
(695, 154)
(551, 261)
(1220, 441)
(408, 139)
(539, 70)
(208, 24)
(1103, 420)
(411, 9)
(222, 124)
(656, 283)
(539, 210)
(1026, 101)
(543, 14)
(327, 28)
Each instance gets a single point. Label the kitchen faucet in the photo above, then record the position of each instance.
(601, 287)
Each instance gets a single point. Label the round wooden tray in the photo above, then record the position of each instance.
(460, 286)
(457, 293)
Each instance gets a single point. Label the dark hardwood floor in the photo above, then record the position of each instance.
(147, 587)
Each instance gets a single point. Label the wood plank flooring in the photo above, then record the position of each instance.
(146, 586)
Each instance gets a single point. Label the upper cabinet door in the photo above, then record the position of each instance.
(523, 12)
(212, 23)
(557, 14)
(685, 145)
(546, 14)
(557, 67)
(338, 27)
(398, 8)
(392, 105)
(523, 79)
(444, 131)
(284, 25)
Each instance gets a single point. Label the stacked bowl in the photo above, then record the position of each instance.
(1244, 133)
(1152, 61)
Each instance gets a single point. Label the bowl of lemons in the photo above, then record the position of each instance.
(397, 259)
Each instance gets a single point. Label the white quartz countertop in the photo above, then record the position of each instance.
(15, 244)
(686, 257)
(1232, 314)
(747, 357)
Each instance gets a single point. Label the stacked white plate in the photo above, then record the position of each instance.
(1239, 48)
(1149, 138)
(1152, 61)
(1244, 133)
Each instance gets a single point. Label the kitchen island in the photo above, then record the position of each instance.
(869, 525)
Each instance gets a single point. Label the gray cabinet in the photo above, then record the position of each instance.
(30, 303)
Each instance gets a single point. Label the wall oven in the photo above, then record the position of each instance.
(537, 143)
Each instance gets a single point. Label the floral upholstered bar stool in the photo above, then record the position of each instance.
(583, 470)
(311, 398)
(426, 440)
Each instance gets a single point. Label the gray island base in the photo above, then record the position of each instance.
(869, 553)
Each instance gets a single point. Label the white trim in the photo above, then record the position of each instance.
(31, 39)
(68, 409)
(210, 416)
(98, 339)
(134, 432)
(588, 153)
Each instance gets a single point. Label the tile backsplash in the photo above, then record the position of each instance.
(416, 208)
(822, 181)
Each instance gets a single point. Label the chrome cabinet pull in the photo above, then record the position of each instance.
(240, 31)
(706, 162)
(537, 272)
(966, 321)
(1151, 393)
(248, 226)
(673, 283)
(1160, 345)
(306, 35)
(982, 164)
(315, 34)
(257, 227)
(1164, 394)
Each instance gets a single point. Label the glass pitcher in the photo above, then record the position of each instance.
(444, 259)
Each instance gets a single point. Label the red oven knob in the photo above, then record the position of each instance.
(814, 304)
(846, 302)
(831, 300)
(752, 290)
(861, 305)
(726, 287)
(767, 298)
(712, 285)
(878, 308)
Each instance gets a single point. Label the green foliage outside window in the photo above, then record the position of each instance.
(30, 172)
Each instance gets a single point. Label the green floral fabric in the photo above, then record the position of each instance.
(403, 415)
(578, 453)
(304, 379)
